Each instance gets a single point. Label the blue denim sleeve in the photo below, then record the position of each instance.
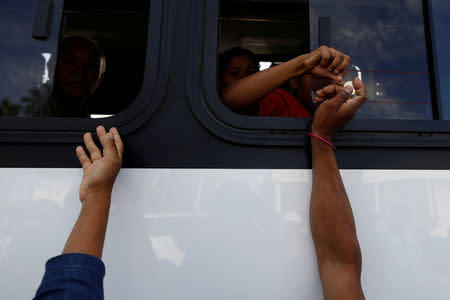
(72, 276)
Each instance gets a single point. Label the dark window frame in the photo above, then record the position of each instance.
(213, 115)
(146, 104)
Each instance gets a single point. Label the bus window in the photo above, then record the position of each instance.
(120, 31)
(28, 44)
(99, 67)
(386, 41)
(267, 31)
(441, 24)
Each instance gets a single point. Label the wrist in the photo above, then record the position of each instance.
(315, 139)
(300, 68)
(322, 134)
(98, 198)
(325, 137)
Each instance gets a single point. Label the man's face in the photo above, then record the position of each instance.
(77, 69)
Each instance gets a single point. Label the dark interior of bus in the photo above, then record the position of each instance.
(120, 29)
(274, 30)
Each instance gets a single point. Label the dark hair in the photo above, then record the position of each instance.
(224, 58)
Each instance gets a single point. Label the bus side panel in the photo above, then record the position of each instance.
(229, 234)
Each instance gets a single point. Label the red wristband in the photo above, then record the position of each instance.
(323, 140)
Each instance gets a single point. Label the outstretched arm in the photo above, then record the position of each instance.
(322, 62)
(332, 223)
(78, 273)
(100, 172)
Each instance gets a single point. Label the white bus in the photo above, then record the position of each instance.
(211, 204)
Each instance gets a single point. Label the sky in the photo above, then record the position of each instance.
(386, 40)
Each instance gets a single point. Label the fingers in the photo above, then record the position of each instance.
(360, 89)
(107, 141)
(111, 142)
(92, 148)
(328, 92)
(326, 56)
(85, 161)
(101, 132)
(358, 85)
(328, 63)
(343, 73)
(117, 141)
(339, 79)
(352, 105)
(325, 93)
(342, 95)
(343, 66)
(337, 61)
(340, 64)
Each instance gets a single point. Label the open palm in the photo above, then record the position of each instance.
(101, 168)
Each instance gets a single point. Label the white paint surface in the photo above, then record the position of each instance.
(229, 234)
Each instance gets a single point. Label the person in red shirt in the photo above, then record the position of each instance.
(245, 90)
(280, 103)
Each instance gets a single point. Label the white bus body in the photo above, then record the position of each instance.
(222, 234)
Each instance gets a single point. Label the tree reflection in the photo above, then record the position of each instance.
(33, 102)
(8, 109)
(29, 104)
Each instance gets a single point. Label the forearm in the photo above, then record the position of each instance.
(332, 223)
(253, 88)
(88, 233)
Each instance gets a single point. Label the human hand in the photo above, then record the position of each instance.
(100, 169)
(336, 108)
(318, 83)
(325, 62)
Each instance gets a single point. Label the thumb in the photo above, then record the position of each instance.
(343, 95)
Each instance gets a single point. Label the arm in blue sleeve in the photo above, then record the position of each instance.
(72, 276)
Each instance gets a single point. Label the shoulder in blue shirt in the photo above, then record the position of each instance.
(72, 276)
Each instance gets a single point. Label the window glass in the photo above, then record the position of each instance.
(441, 23)
(119, 30)
(26, 61)
(386, 41)
(97, 71)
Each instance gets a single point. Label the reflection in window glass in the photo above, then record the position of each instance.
(26, 63)
(97, 71)
(440, 17)
(386, 41)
